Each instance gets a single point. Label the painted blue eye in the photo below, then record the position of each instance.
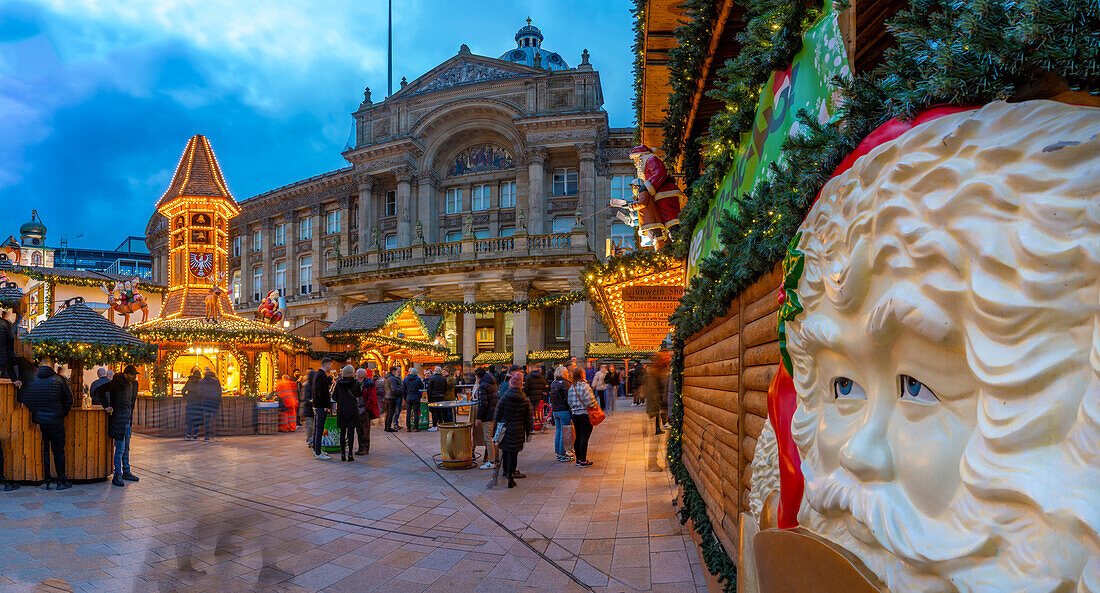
(845, 388)
(915, 391)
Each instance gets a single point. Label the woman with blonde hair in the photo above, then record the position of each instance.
(581, 399)
(559, 409)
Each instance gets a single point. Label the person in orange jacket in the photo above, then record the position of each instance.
(286, 391)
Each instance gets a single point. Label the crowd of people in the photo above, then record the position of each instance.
(510, 404)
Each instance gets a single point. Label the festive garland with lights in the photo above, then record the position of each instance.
(67, 280)
(537, 356)
(622, 267)
(191, 330)
(947, 52)
(93, 353)
(638, 13)
(354, 336)
(610, 350)
(161, 375)
(545, 302)
(492, 358)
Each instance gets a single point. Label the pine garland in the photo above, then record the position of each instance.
(93, 353)
(638, 12)
(545, 302)
(685, 66)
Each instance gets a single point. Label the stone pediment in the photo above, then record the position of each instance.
(462, 71)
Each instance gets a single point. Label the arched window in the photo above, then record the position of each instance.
(36, 258)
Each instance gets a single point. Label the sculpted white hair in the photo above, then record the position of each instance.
(992, 219)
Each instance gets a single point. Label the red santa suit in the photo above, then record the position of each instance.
(659, 200)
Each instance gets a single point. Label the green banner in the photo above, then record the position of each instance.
(805, 85)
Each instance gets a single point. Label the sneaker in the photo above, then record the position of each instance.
(486, 465)
(584, 463)
(129, 477)
(9, 486)
(519, 475)
(433, 429)
(64, 485)
(323, 456)
(117, 481)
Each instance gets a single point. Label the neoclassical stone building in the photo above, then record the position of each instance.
(485, 179)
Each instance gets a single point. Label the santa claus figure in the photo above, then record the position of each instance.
(657, 199)
(269, 309)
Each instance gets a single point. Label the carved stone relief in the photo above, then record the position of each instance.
(466, 73)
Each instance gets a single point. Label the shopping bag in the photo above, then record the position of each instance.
(499, 434)
(596, 415)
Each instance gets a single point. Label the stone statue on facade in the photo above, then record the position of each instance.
(420, 232)
(578, 217)
(374, 237)
(521, 221)
(468, 225)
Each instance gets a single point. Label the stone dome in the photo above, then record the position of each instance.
(528, 46)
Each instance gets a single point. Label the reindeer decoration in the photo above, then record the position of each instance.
(213, 311)
(125, 299)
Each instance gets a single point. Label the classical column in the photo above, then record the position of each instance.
(318, 255)
(577, 323)
(366, 211)
(335, 307)
(520, 323)
(469, 323)
(404, 206)
(536, 189)
(267, 228)
(292, 288)
(344, 205)
(537, 336)
(427, 204)
(498, 332)
(586, 152)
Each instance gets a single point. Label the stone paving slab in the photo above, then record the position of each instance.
(258, 513)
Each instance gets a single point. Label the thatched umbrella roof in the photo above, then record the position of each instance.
(76, 332)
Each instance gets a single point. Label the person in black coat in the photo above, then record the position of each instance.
(319, 392)
(305, 407)
(49, 399)
(536, 387)
(346, 392)
(487, 400)
(120, 395)
(392, 394)
(192, 401)
(563, 419)
(437, 392)
(514, 410)
(210, 389)
(8, 358)
(411, 387)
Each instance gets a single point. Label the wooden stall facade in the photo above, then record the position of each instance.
(728, 367)
(87, 448)
(167, 416)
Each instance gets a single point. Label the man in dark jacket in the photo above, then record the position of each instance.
(487, 400)
(120, 394)
(536, 387)
(305, 406)
(437, 392)
(100, 381)
(393, 396)
(411, 388)
(49, 399)
(321, 393)
(211, 389)
(8, 368)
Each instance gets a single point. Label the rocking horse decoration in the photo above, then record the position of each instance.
(125, 299)
(269, 309)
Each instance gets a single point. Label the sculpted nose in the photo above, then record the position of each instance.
(867, 454)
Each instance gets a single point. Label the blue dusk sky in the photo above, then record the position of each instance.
(98, 98)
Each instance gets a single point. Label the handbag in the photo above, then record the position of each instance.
(596, 415)
(499, 434)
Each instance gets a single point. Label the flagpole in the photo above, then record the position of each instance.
(389, 50)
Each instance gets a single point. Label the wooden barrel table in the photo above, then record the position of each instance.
(88, 450)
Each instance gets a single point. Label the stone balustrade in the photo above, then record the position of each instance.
(521, 245)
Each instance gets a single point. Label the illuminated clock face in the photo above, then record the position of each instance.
(201, 264)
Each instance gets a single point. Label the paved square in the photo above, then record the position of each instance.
(258, 513)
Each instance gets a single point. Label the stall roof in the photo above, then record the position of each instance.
(78, 323)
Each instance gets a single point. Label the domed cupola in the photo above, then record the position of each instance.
(33, 232)
(529, 50)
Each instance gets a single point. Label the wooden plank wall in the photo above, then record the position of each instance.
(728, 367)
(88, 451)
(167, 417)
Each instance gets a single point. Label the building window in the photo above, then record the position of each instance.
(391, 203)
(36, 258)
(305, 229)
(454, 200)
(280, 234)
(508, 194)
(237, 287)
(391, 241)
(565, 181)
(620, 187)
(507, 231)
(280, 277)
(236, 246)
(481, 233)
(622, 234)
(480, 197)
(562, 224)
(305, 274)
(561, 324)
(258, 240)
(257, 282)
(330, 261)
(332, 222)
(453, 236)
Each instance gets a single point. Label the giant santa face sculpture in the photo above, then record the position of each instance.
(947, 358)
